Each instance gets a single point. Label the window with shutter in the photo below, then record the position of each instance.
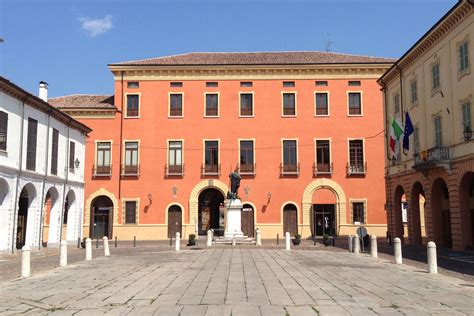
(54, 152)
(31, 144)
(72, 154)
(130, 212)
(3, 130)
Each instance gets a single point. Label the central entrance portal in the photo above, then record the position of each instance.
(210, 213)
(324, 219)
(101, 217)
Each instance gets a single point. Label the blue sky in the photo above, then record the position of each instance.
(69, 43)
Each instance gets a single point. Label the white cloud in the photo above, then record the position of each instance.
(96, 27)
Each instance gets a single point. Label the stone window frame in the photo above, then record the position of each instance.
(435, 117)
(137, 211)
(467, 70)
(411, 82)
(169, 104)
(396, 106)
(358, 200)
(461, 104)
(436, 89)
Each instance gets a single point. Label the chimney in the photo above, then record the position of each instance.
(43, 91)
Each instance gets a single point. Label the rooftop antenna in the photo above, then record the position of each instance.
(328, 42)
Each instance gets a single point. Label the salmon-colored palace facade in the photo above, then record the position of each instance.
(304, 129)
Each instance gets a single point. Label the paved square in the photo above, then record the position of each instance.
(237, 281)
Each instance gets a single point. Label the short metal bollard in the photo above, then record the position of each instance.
(177, 242)
(171, 241)
(258, 241)
(278, 239)
(88, 249)
(356, 244)
(63, 254)
(25, 262)
(115, 242)
(397, 248)
(373, 247)
(234, 241)
(96, 243)
(134, 241)
(350, 241)
(287, 241)
(209, 238)
(79, 242)
(432, 259)
(106, 246)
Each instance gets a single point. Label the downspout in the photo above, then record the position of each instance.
(388, 189)
(401, 92)
(65, 184)
(20, 171)
(46, 157)
(121, 136)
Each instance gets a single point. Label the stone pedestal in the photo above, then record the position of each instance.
(233, 228)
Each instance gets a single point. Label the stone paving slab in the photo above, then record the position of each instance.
(237, 281)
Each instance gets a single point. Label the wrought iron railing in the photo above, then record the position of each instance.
(356, 169)
(247, 169)
(211, 170)
(175, 170)
(289, 169)
(322, 168)
(130, 170)
(102, 171)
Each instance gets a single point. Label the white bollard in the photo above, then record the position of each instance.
(287, 241)
(259, 238)
(88, 249)
(351, 243)
(25, 262)
(397, 248)
(356, 244)
(209, 238)
(177, 243)
(234, 241)
(373, 247)
(432, 259)
(63, 254)
(106, 246)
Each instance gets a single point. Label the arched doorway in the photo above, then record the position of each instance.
(27, 196)
(415, 212)
(52, 211)
(247, 220)
(4, 190)
(174, 220)
(466, 199)
(5, 222)
(211, 212)
(101, 217)
(69, 217)
(399, 204)
(290, 219)
(323, 213)
(441, 214)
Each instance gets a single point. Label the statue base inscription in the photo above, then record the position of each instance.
(233, 228)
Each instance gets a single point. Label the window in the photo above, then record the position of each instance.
(133, 105)
(54, 152)
(353, 83)
(463, 56)
(437, 131)
(176, 84)
(103, 158)
(175, 157)
(290, 159)
(416, 140)
(355, 105)
(358, 213)
(321, 83)
(133, 84)
(211, 157)
(72, 154)
(322, 103)
(323, 157)
(414, 91)
(246, 104)
(176, 105)
(212, 84)
(31, 144)
(130, 212)
(131, 158)
(435, 76)
(466, 116)
(246, 163)
(356, 157)
(289, 104)
(288, 83)
(396, 103)
(246, 84)
(212, 104)
(3, 130)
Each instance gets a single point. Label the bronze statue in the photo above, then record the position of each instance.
(234, 185)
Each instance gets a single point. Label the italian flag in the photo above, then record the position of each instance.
(396, 130)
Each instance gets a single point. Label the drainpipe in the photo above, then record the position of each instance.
(46, 157)
(401, 91)
(121, 136)
(65, 184)
(386, 127)
(20, 172)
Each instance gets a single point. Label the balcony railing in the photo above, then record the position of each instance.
(432, 156)
(247, 169)
(211, 112)
(322, 168)
(321, 111)
(289, 169)
(175, 170)
(246, 112)
(289, 111)
(176, 112)
(356, 169)
(130, 170)
(354, 111)
(210, 170)
(102, 171)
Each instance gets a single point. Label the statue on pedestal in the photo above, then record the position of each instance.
(234, 185)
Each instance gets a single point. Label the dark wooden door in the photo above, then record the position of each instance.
(247, 222)
(447, 236)
(174, 221)
(101, 222)
(22, 220)
(324, 219)
(290, 223)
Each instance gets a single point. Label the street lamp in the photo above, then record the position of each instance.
(76, 163)
(467, 134)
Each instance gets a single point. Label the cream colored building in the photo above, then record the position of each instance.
(434, 82)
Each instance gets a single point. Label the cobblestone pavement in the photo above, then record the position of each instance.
(237, 281)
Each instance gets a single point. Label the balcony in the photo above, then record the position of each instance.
(102, 171)
(356, 169)
(210, 170)
(289, 169)
(322, 169)
(247, 169)
(130, 170)
(435, 157)
(174, 170)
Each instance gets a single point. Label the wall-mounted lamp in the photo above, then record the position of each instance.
(467, 134)
(246, 191)
(77, 163)
(269, 196)
(175, 191)
(150, 197)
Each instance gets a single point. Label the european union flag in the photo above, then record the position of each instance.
(408, 131)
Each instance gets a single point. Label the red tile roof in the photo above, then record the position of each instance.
(256, 58)
(84, 101)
